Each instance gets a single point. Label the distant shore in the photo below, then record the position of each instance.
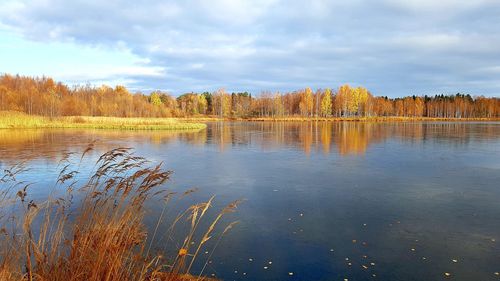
(331, 119)
(371, 119)
(19, 120)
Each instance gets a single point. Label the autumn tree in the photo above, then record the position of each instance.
(202, 104)
(155, 99)
(278, 106)
(326, 103)
(306, 102)
(221, 103)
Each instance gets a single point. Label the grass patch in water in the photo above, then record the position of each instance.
(19, 120)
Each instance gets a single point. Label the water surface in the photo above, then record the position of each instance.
(322, 200)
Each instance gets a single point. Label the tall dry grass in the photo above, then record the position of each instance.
(96, 231)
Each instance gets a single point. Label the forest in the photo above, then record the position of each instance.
(46, 97)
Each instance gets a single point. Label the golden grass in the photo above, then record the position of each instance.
(12, 119)
(105, 239)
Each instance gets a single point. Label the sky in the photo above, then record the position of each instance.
(392, 47)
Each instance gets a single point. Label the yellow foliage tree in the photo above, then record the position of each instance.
(155, 99)
(306, 102)
(278, 108)
(361, 100)
(326, 103)
(343, 100)
(222, 103)
(202, 104)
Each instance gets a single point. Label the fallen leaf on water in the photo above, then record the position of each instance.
(182, 252)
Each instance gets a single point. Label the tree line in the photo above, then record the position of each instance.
(44, 96)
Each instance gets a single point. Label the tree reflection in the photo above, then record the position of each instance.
(348, 138)
(342, 138)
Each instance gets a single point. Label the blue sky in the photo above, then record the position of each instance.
(392, 47)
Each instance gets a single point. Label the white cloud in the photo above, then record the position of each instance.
(271, 45)
(438, 41)
(236, 11)
(442, 6)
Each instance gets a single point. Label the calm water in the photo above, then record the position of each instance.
(404, 199)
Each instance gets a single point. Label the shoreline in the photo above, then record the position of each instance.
(18, 120)
(336, 119)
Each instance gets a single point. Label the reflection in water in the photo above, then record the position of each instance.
(349, 138)
(353, 139)
(346, 138)
(52, 144)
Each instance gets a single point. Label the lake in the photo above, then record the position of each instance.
(324, 201)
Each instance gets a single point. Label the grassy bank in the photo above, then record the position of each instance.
(11, 119)
(95, 230)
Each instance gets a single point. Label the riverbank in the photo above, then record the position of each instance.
(331, 119)
(368, 119)
(18, 120)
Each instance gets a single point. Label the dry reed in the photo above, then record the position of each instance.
(104, 236)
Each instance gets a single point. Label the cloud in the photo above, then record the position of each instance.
(392, 47)
(442, 6)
